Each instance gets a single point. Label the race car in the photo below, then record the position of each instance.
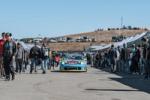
(73, 62)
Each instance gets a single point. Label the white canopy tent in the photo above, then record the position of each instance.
(125, 41)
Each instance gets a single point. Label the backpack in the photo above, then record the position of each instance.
(35, 52)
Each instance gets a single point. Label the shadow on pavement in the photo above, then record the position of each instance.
(135, 81)
(68, 71)
(123, 90)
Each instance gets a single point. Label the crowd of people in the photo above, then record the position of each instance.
(14, 58)
(133, 59)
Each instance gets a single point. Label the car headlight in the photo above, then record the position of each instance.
(82, 62)
(63, 63)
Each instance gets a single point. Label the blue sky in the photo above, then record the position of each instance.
(29, 18)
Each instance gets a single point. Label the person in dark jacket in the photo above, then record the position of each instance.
(135, 60)
(9, 49)
(113, 56)
(25, 60)
(147, 69)
(44, 56)
(124, 57)
(35, 55)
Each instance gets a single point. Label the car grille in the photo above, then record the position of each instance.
(72, 68)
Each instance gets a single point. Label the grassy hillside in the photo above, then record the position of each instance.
(100, 36)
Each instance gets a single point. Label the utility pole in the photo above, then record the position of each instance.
(121, 21)
(121, 27)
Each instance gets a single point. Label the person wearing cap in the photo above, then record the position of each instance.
(1, 54)
(9, 49)
(35, 56)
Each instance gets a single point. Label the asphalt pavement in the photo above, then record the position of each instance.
(92, 85)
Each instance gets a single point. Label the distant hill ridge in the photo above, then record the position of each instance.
(100, 36)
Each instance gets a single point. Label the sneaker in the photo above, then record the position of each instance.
(44, 72)
(7, 79)
(13, 77)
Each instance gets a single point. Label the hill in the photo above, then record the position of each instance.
(100, 37)
(105, 36)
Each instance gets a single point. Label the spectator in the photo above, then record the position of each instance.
(124, 57)
(19, 57)
(57, 60)
(25, 60)
(45, 56)
(2, 41)
(9, 50)
(113, 56)
(147, 69)
(35, 55)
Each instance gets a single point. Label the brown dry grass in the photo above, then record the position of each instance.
(68, 46)
(107, 35)
(101, 37)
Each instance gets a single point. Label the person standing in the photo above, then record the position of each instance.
(49, 59)
(57, 60)
(147, 69)
(124, 57)
(118, 59)
(25, 60)
(53, 59)
(44, 56)
(137, 59)
(113, 56)
(143, 58)
(97, 59)
(9, 49)
(19, 57)
(35, 55)
(2, 41)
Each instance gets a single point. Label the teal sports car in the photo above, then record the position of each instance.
(73, 62)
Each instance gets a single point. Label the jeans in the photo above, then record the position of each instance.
(44, 64)
(125, 66)
(9, 69)
(33, 65)
(1, 67)
(147, 69)
(19, 65)
(49, 63)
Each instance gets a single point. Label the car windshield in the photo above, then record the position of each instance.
(75, 57)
